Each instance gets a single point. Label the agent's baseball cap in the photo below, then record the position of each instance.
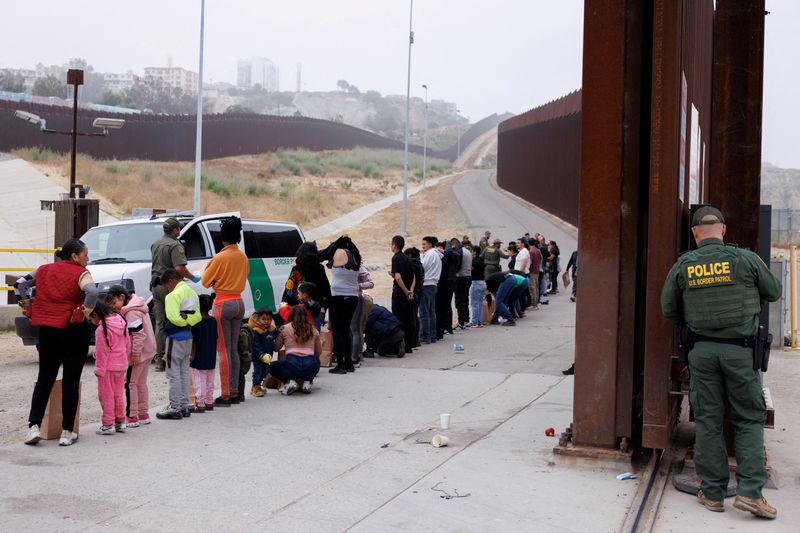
(706, 216)
(171, 224)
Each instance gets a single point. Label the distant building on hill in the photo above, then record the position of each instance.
(176, 77)
(257, 71)
(118, 82)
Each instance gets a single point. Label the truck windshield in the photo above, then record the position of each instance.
(124, 243)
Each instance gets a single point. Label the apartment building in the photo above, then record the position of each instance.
(177, 77)
(257, 71)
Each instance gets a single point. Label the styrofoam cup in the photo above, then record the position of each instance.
(444, 420)
(439, 441)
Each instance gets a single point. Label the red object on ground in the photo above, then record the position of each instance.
(550, 432)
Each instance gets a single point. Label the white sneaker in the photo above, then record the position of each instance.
(105, 430)
(120, 427)
(289, 388)
(306, 387)
(34, 435)
(67, 438)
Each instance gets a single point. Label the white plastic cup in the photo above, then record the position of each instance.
(439, 441)
(444, 420)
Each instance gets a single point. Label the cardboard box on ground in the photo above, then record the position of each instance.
(51, 423)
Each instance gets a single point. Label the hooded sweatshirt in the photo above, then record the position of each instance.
(112, 345)
(143, 342)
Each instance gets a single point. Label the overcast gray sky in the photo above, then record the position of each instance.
(503, 55)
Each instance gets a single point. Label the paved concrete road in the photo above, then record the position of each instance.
(508, 217)
(346, 457)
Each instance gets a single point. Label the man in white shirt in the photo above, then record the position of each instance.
(523, 266)
(432, 264)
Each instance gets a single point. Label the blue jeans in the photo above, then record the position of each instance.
(297, 367)
(260, 370)
(505, 290)
(542, 276)
(427, 313)
(515, 298)
(476, 291)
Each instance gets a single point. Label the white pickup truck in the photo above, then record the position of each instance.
(119, 253)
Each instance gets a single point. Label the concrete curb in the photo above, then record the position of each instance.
(7, 315)
(569, 228)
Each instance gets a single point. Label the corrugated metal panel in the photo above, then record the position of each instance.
(538, 156)
(172, 138)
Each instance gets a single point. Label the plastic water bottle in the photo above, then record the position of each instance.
(458, 347)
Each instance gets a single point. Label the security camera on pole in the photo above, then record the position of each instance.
(74, 216)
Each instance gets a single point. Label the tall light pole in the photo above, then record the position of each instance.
(404, 228)
(198, 155)
(458, 135)
(425, 142)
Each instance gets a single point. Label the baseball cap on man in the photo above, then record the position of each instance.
(171, 224)
(706, 216)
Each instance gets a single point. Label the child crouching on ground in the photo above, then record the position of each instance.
(112, 346)
(263, 345)
(181, 306)
(143, 348)
(204, 356)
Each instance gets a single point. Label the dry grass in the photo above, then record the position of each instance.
(297, 186)
(432, 212)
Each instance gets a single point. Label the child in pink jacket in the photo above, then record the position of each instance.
(112, 346)
(143, 348)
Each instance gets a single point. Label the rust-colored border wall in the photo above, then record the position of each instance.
(172, 138)
(540, 160)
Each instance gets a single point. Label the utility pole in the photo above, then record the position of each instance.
(198, 150)
(404, 228)
(425, 142)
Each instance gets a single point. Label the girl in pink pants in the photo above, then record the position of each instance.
(112, 345)
(143, 348)
(204, 356)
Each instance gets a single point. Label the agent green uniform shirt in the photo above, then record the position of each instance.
(719, 290)
(167, 253)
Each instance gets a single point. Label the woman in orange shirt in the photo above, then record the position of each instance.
(227, 274)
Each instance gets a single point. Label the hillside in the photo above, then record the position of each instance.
(384, 115)
(780, 186)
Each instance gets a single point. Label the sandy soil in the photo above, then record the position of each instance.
(433, 212)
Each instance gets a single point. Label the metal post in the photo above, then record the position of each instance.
(793, 292)
(458, 136)
(73, 157)
(425, 142)
(198, 156)
(404, 229)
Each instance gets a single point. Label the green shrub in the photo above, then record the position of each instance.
(315, 169)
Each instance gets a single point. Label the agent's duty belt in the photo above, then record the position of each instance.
(747, 342)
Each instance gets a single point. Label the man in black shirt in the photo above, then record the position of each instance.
(451, 262)
(403, 290)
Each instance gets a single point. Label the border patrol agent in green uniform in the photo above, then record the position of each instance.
(167, 252)
(718, 291)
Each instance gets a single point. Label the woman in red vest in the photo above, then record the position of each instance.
(65, 291)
